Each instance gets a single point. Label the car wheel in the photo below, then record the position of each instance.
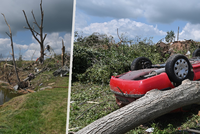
(178, 68)
(196, 53)
(141, 63)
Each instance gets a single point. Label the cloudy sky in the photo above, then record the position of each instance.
(142, 18)
(57, 25)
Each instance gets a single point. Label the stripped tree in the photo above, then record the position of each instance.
(63, 53)
(35, 33)
(13, 56)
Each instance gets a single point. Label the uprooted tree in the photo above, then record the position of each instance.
(154, 104)
(35, 33)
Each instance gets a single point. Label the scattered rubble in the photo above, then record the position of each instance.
(27, 74)
(43, 88)
(41, 84)
(150, 130)
(51, 83)
(175, 46)
(16, 87)
(61, 71)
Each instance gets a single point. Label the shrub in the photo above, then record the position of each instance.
(98, 61)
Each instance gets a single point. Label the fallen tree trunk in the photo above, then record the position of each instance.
(154, 104)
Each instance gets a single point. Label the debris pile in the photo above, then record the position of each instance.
(63, 71)
(27, 73)
(176, 46)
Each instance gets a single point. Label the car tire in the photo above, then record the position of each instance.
(196, 53)
(141, 63)
(178, 68)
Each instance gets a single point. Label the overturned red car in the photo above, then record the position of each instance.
(144, 76)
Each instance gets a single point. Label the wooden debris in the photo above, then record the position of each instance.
(22, 91)
(51, 83)
(4, 82)
(30, 91)
(59, 87)
(43, 88)
(91, 102)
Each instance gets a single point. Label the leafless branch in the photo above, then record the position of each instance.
(7, 24)
(30, 27)
(8, 34)
(35, 19)
(44, 37)
(35, 33)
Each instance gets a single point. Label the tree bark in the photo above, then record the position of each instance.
(154, 104)
(63, 53)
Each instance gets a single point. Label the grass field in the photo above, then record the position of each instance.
(39, 112)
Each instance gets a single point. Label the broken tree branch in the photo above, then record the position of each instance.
(35, 19)
(154, 104)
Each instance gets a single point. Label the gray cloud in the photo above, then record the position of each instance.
(169, 10)
(156, 11)
(115, 8)
(57, 15)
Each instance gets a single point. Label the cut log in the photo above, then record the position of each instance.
(154, 104)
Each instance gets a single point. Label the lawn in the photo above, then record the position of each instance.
(43, 111)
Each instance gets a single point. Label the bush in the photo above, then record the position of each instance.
(83, 58)
(99, 61)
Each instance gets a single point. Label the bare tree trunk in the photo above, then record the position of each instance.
(63, 53)
(154, 104)
(41, 33)
(35, 33)
(13, 56)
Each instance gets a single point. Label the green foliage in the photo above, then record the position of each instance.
(83, 58)
(93, 40)
(97, 63)
(170, 36)
(96, 58)
(169, 130)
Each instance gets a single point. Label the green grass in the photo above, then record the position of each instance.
(88, 103)
(40, 112)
